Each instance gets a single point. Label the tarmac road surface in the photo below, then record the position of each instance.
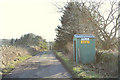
(43, 65)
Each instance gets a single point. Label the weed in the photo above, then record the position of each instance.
(10, 67)
(78, 70)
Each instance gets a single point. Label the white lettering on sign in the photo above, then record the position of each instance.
(84, 39)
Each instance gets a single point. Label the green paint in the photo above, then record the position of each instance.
(85, 52)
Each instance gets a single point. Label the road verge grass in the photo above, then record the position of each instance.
(76, 70)
(11, 66)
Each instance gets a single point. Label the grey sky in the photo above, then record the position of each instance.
(19, 17)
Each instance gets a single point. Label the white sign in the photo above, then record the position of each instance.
(84, 39)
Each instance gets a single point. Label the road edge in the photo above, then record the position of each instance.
(64, 64)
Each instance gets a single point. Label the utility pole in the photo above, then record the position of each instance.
(119, 19)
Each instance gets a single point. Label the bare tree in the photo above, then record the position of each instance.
(85, 18)
(106, 38)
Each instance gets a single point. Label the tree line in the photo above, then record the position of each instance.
(30, 39)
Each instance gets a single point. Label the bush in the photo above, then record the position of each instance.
(108, 62)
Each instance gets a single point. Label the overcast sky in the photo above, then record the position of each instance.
(19, 17)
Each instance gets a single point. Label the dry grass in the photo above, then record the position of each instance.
(12, 55)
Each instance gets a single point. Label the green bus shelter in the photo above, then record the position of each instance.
(84, 48)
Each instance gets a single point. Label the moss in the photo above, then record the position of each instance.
(24, 57)
(89, 74)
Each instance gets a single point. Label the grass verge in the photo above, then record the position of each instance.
(77, 71)
(11, 66)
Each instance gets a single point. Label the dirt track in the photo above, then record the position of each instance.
(43, 65)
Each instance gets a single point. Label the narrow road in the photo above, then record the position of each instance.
(43, 65)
